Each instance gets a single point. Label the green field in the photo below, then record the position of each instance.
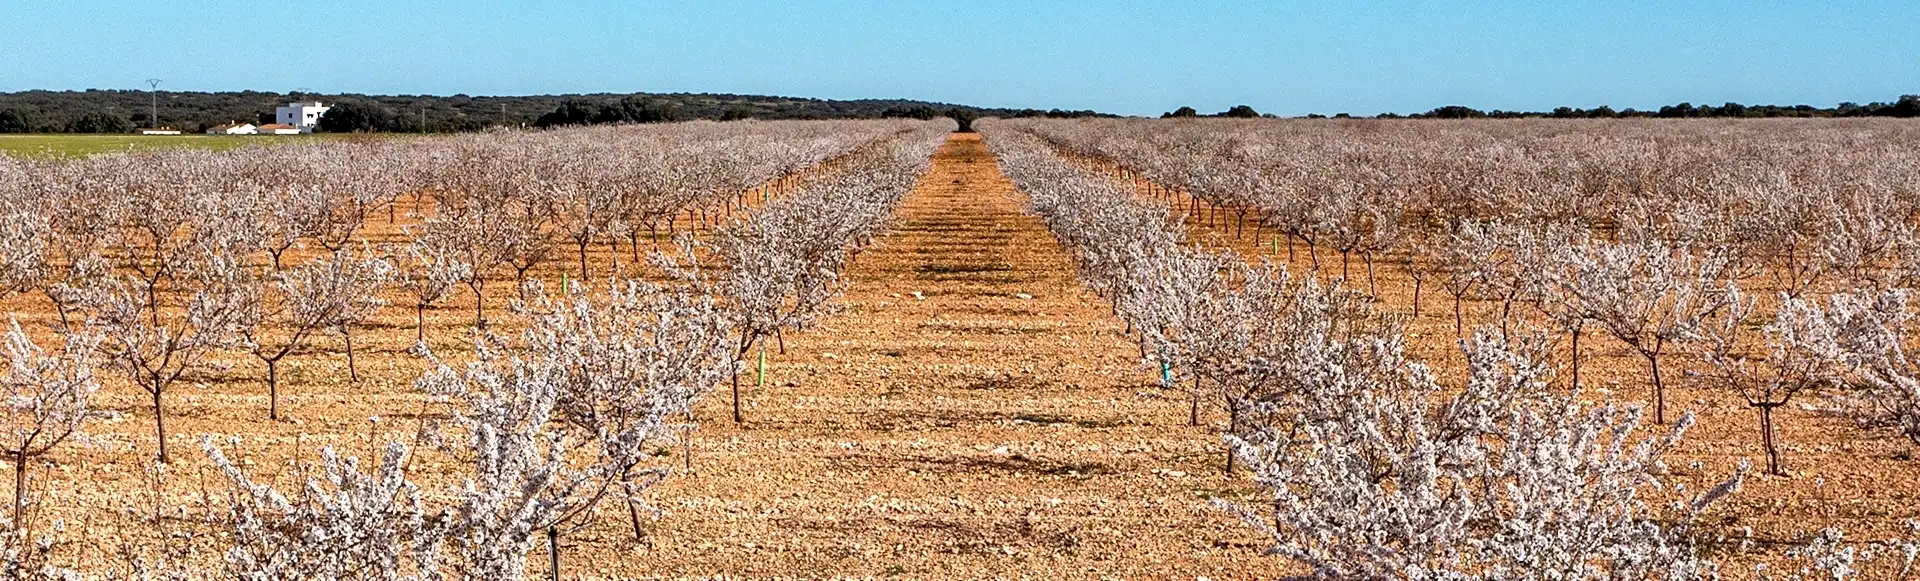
(70, 145)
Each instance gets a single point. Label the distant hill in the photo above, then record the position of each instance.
(57, 111)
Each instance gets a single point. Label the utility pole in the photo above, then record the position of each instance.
(153, 103)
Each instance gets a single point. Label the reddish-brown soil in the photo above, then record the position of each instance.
(973, 413)
(1838, 473)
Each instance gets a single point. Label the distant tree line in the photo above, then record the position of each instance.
(638, 109)
(1237, 111)
(1905, 106)
(625, 110)
(120, 111)
(967, 115)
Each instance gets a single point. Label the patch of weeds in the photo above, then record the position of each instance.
(1221, 493)
(962, 268)
(1076, 422)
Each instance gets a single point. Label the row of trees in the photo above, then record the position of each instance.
(14, 121)
(626, 110)
(1647, 231)
(596, 379)
(1372, 468)
(1555, 246)
(1235, 112)
(53, 111)
(1905, 106)
(182, 251)
(157, 261)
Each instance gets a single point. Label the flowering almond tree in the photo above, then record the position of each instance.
(46, 402)
(547, 429)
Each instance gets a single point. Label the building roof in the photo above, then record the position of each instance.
(231, 126)
(276, 126)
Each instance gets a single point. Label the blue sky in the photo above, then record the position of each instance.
(1129, 57)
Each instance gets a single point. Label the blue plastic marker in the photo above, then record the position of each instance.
(1166, 370)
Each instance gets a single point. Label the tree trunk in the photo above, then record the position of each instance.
(1506, 314)
(20, 490)
(1576, 356)
(583, 260)
(1233, 427)
(479, 303)
(633, 515)
(736, 399)
(353, 369)
(553, 552)
(159, 420)
(1372, 290)
(273, 389)
(1193, 410)
(420, 323)
(1416, 298)
(60, 307)
(1766, 438)
(1659, 389)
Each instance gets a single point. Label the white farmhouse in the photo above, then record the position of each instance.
(305, 116)
(279, 129)
(233, 129)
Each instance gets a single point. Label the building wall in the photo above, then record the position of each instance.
(303, 115)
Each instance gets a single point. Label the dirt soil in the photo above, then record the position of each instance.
(1838, 472)
(973, 413)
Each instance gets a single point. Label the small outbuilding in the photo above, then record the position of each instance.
(277, 129)
(233, 129)
(159, 131)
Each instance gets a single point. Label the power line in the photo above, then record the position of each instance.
(153, 103)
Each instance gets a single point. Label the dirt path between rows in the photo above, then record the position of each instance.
(972, 414)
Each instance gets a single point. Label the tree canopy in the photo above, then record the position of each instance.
(1241, 112)
(99, 122)
(12, 121)
(356, 117)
